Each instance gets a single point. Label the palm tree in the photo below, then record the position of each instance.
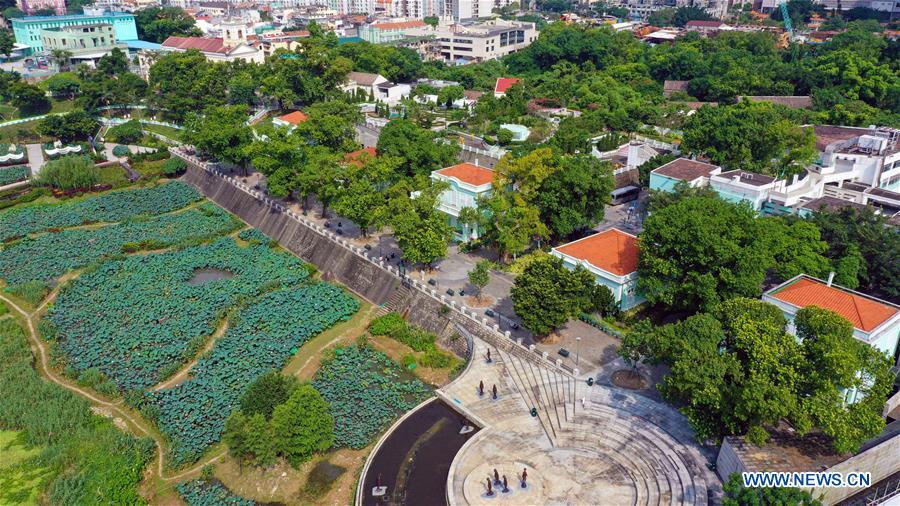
(61, 58)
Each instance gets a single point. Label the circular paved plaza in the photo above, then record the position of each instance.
(587, 445)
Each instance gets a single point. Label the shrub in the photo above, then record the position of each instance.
(69, 173)
(388, 324)
(436, 359)
(121, 150)
(126, 133)
(174, 167)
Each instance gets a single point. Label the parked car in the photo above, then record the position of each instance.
(490, 313)
(450, 292)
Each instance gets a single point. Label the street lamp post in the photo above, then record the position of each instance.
(577, 351)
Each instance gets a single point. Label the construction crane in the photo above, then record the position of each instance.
(787, 19)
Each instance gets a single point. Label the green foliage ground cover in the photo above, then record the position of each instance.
(264, 336)
(138, 318)
(107, 207)
(10, 175)
(45, 257)
(80, 458)
(210, 493)
(366, 392)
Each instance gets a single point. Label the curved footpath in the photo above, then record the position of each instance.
(136, 423)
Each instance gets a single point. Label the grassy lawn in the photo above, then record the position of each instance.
(17, 486)
(172, 133)
(113, 174)
(62, 105)
(149, 168)
(22, 133)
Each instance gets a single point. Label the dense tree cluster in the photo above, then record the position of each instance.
(279, 418)
(736, 369)
(547, 294)
(700, 250)
(156, 24)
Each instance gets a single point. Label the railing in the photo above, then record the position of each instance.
(490, 333)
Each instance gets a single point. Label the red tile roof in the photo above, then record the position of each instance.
(355, 157)
(468, 173)
(612, 250)
(504, 83)
(202, 44)
(294, 118)
(864, 313)
(400, 25)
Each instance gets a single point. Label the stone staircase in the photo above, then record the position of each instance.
(394, 302)
(632, 431)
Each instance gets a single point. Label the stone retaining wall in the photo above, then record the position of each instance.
(338, 259)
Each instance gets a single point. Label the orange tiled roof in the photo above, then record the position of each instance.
(612, 250)
(294, 118)
(355, 157)
(864, 313)
(468, 173)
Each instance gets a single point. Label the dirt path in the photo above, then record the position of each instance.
(136, 424)
(183, 374)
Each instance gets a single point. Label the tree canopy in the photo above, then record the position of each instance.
(701, 250)
(736, 370)
(156, 24)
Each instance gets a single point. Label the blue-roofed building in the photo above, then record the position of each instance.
(28, 30)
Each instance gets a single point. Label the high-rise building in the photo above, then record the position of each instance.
(29, 6)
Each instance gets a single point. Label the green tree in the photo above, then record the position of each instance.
(431, 20)
(701, 250)
(332, 125)
(76, 125)
(835, 362)
(303, 426)
(261, 440)
(114, 63)
(736, 494)
(61, 58)
(546, 294)
(861, 238)
(266, 392)
(29, 99)
(156, 24)
(184, 82)
(64, 84)
(509, 222)
(221, 132)
(480, 276)
(361, 195)
(7, 41)
(235, 436)
(754, 136)
(449, 94)
(422, 232)
(242, 89)
(574, 197)
(416, 146)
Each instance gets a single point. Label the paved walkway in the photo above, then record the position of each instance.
(616, 448)
(35, 158)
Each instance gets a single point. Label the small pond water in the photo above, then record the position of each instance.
(415, 459)
(206, 275)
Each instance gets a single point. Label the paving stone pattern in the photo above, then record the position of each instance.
(620, 448)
